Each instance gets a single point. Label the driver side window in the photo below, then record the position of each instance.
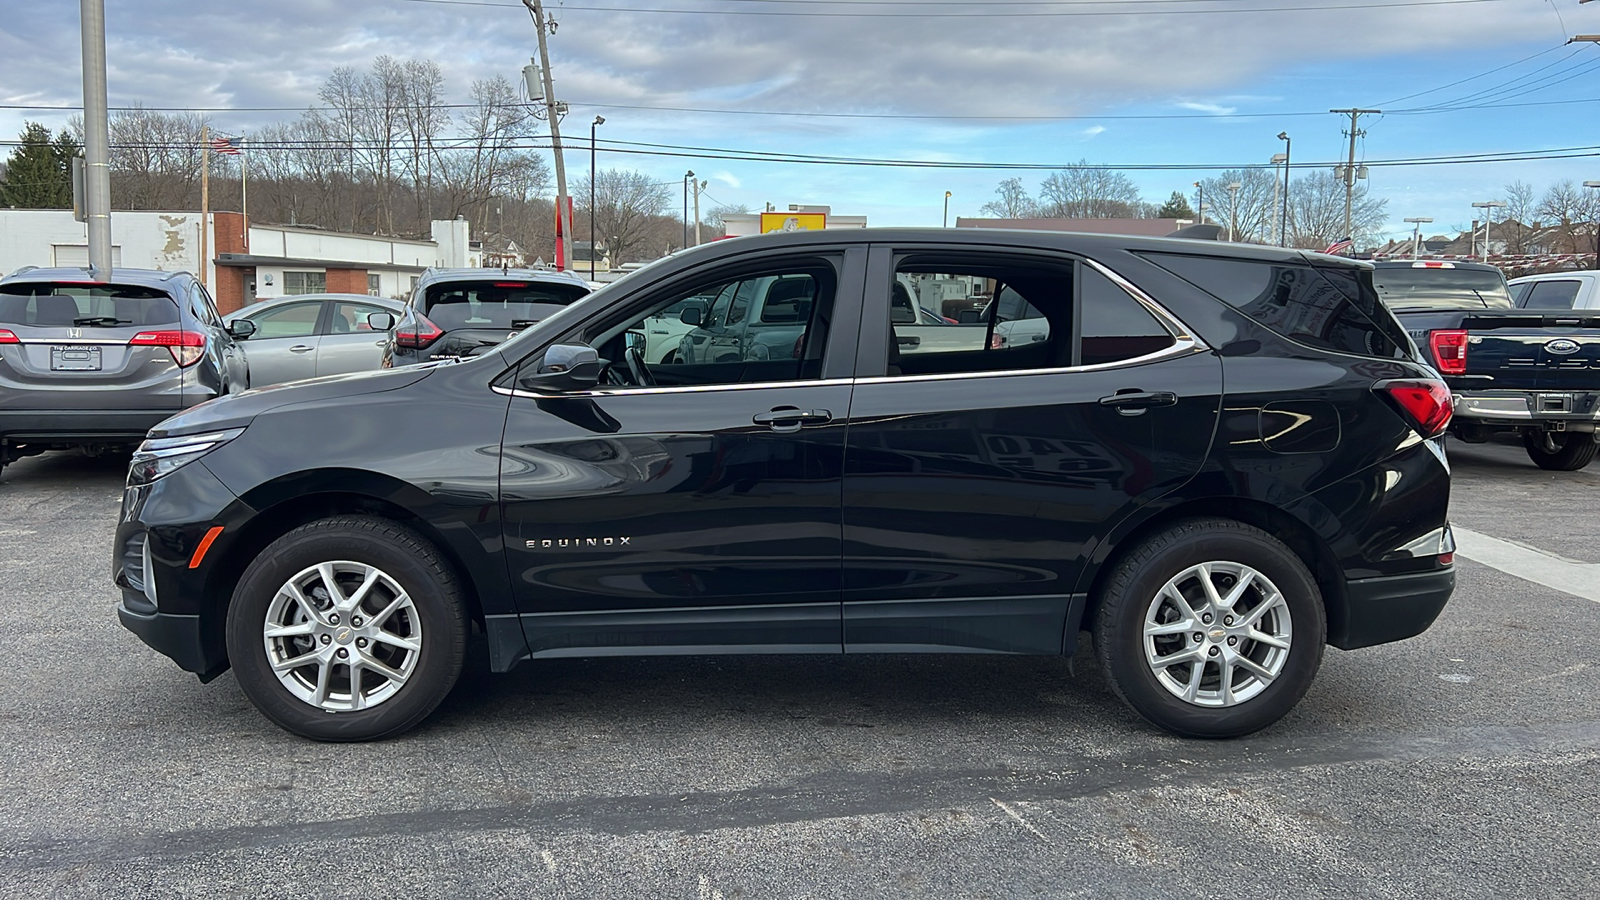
(758, 327)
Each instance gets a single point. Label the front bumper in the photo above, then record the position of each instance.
(1392, 607)
(183, 638)
(19, 426)
(1527, 407)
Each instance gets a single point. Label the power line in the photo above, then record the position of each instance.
(1471, 77)
(982, 13)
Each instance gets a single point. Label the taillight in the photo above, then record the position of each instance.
(7, 336)
(1449, 351)
(186, 347)
(421, 333)
(1425, 400)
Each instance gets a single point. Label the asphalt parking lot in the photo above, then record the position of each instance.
(1459, 764)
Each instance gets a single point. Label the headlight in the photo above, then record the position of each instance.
(162, 456)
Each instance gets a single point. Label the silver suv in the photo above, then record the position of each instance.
(456, 313)
(95, 364)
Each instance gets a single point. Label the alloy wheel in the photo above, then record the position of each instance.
(1217, 634)
(342, 636)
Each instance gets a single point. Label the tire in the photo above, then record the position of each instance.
(1280, 590)
(1563, 452)
(413, 635)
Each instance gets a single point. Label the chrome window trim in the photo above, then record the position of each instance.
(1182, 346)
(678, 389)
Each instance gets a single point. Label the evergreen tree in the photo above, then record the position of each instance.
(39, 172)
(1176, 208)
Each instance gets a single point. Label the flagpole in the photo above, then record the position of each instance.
(205, 199)
(244, 189)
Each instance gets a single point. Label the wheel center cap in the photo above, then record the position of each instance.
(343, 636)
(1216, 634)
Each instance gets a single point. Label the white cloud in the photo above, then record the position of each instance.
(727, 178)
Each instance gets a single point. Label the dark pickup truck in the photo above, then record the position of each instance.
(1534, 372)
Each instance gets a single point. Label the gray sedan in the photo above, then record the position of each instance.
(308, 335)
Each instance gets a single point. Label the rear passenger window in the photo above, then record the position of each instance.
(1552, 295)
(1012, 318)
(1297, 301)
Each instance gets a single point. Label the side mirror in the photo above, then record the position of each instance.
(693, 314)
(380, 321)
(565, 367)
(241, 328)
(969, 317)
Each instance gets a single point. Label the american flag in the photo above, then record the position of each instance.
(230, 146)
(1340, 246)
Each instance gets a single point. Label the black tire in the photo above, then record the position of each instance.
(1131, 593)
(1559, 451)
(410, 562)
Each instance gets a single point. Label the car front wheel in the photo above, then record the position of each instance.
(351, 628)
(1211, 629)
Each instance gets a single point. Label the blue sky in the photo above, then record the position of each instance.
(882, 60)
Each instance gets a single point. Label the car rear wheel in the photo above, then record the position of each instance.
(1559, 451)
(347, 629)
(1211, 629)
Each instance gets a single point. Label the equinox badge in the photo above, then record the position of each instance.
(570, 543)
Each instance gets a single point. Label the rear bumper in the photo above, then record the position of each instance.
(1527, 407)
(23, 425)
(1392, 607)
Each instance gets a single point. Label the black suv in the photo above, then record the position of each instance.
(463, 312)
(95, 364)
(1217, 458)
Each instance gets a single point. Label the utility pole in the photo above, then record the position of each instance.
(563, 203)
(698, 186)
(205, 202)
(1350, 167)
(1283, 219)
(96, 138)
(1594, 185)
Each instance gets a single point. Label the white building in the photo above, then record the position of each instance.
(276, 259)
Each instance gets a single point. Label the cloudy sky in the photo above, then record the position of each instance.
(1188, 84)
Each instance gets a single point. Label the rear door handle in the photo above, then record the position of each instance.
(1135, 402)
(787, 419)
(300, 348)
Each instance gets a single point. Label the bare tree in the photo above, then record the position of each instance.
(1522, 207)
(1082, 191)
(1570, 209)
(1316, 211)
(1011, 202)
(1250, 210)
(155, 158)
(625, 203)
(717, 217)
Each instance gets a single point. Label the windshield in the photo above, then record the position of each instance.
(1404, 287)
(496, 304)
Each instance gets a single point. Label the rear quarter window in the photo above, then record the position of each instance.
(1333, 310)
(56, 305)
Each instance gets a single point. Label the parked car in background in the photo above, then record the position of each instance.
(310, 335)
(1521, 371)
(456, 313)
(86, 363)
(1234, 462)
(1557, 290)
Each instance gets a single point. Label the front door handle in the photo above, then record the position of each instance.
(788, 419)
(1133, 402)
(300, 348)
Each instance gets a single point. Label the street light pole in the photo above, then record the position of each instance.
(1200, 214)
(598, 121)
(1416, 235)
(1277, 192)
(687, 175)
(1283, 219)
(946, 223)
(1488, 207)
(97, 143)
(1592, 185)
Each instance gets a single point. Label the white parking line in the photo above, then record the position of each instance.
(1572, 577)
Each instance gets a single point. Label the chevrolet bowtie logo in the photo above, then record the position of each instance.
(578, 543)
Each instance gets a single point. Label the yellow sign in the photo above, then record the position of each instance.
(792, 221)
